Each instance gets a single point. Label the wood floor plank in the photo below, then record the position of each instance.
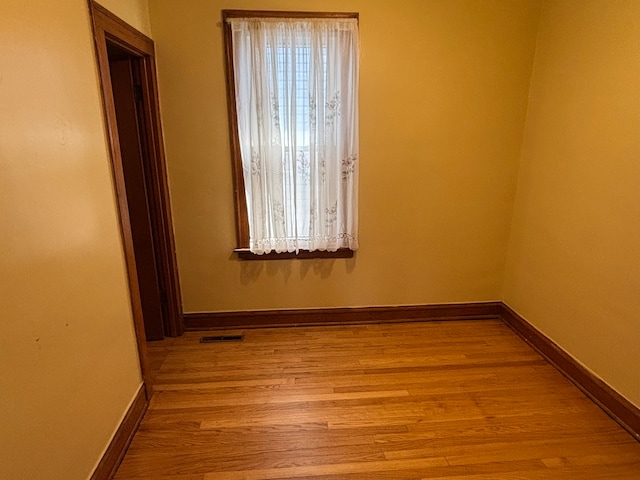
(406, 401)
(333, 469)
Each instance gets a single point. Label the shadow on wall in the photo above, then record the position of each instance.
(251, 270)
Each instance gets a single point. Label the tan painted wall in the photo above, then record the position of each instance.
(134, 12)
(68, 360)
(442, 104)
(439, 172)
(574, 268)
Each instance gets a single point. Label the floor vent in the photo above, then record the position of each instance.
(222, 338)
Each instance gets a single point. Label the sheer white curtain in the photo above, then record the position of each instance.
(296, 86)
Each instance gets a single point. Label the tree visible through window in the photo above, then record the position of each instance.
(293, 84)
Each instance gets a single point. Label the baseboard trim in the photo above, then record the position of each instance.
(116, 450)
(341, 316)
(603, 395)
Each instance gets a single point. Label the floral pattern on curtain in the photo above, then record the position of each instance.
(296, 89)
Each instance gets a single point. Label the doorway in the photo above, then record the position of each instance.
(126, 87)
(126, 66)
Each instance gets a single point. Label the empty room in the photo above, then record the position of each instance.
(320, 239)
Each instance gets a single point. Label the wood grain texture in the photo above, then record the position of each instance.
(343, 316)
(450, 400)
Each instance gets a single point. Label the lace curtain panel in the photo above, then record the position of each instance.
(296, 90)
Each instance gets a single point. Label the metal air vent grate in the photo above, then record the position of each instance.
(222, 338)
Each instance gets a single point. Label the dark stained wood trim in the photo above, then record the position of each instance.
(107, 28)
(614, 404)
(118, 31)
(116, 450)
(162, 205)
(242, 222)
(102, 28)
(285, 14)
(341, 316)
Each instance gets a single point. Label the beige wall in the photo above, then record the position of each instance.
(443, 100)
(574, 268)
(134, 12)
(437, 187)
(68, 358)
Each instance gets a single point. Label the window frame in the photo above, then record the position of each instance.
(240, 200)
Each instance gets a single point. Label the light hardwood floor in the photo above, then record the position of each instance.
(444, 400)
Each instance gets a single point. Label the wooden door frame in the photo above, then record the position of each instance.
(107, 28)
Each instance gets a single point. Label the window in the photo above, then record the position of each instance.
(293, 109)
